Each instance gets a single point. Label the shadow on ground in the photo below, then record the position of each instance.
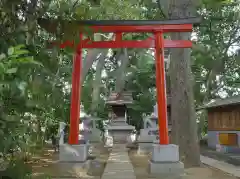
(140, 164)
(47, 165)
(233, 159)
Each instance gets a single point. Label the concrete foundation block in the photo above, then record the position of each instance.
(165, 153)
(73, 153)
(165, 161)
(173, 170)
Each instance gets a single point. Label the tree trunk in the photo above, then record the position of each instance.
(92, 56)
(87, 63)
(97, 83)
(120, 78)
(184, 129)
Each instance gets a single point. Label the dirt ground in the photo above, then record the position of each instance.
(140, 164)
(47, 166)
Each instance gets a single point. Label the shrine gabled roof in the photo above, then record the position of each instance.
(120, 98)
(126, 98)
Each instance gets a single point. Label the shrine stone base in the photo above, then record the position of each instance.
(120, 134)
(73, 153)
(120, 130)
(165, 161)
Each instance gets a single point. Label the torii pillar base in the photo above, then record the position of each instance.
(73, 153)
(165, 161)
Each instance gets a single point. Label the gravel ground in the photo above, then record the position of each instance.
(140, 164)
(47, 165)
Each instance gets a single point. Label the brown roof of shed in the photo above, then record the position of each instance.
(234, 100)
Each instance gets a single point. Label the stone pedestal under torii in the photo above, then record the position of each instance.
(119, 129)
(77, 153)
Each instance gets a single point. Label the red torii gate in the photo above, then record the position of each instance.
(128, 26)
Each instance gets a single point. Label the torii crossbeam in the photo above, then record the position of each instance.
(157, 28)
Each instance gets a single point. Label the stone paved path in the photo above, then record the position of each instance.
(119, 165)
(225, 167)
